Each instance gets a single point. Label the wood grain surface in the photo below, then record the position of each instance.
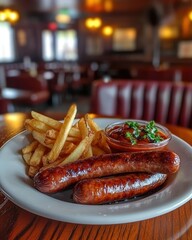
(16, 223)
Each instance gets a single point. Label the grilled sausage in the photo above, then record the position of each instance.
(111, 189)
(58, 178)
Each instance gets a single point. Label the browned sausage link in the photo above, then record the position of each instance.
(111, 189)
(55, 179)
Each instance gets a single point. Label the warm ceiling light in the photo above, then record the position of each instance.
(89, 23)
(190, 15)
(108, 5)
(167, 32)
(2, 16)
(107, 31)
(9, 15)
(93, 22)
(14, 16)
(97, 22)
(7, 12)
(95, 5)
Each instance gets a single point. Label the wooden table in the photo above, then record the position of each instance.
(25, 97)
(16, 223)
(15, 94)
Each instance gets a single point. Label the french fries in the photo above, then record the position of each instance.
(56, 143)
(62, 135)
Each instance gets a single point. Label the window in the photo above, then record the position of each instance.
(6, 43)
(185, 49)
(124, 39)
(47, 45)
(66, 45)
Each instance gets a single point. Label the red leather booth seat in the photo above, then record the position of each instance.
(37, 90)
(164, 102)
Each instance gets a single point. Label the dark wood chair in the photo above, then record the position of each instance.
(57, 86)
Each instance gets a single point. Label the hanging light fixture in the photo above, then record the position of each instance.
(93, 23)
(107, 30)
(8, 15)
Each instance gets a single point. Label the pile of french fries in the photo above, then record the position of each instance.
(56, 143)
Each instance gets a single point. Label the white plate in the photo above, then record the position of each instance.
(18, 187)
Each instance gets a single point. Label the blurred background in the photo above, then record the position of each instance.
(51, 52)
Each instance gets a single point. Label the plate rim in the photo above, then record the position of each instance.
(100, 219)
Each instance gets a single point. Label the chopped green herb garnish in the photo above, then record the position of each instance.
(148, 131)
(131, 138)
(135, 127)
(132, 124)
(151, 132)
